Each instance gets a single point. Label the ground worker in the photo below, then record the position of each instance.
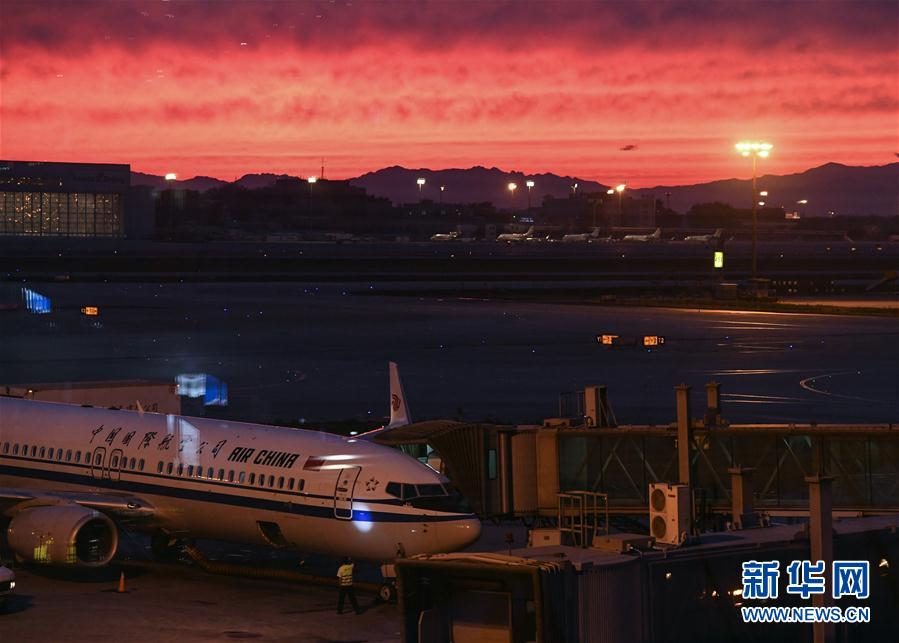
(345, 580)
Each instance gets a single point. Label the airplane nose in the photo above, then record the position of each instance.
(463, 533)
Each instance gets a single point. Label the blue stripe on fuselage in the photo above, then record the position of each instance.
(281, 506)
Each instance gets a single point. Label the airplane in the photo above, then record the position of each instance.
(593, 235)
(72, 478)
(516, 236)
(644, 238)
(445, 236)
(705, 238)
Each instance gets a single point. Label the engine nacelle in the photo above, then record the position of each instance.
(63, 535)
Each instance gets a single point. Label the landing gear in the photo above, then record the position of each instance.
(387, 592)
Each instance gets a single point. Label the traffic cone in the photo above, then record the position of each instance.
(121, 589)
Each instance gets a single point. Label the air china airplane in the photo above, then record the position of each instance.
(71, 478)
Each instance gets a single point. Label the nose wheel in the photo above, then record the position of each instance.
(387, 592)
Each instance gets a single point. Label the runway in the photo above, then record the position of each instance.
(308, 352)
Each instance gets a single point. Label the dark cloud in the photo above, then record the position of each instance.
(77, 27)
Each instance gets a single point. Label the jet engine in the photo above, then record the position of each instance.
(63, 535)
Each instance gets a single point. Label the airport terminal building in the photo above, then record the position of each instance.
(40, 198)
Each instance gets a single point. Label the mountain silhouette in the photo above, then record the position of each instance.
(829, 188)
(472, 185)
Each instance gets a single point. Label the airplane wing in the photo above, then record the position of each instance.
(122, 506)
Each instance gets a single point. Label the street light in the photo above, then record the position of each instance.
(442, 189)
(512, 187)
(620, 190)
(171, 176)
(757, 150)
(574, 189)
(529, 185)
(763, 193)
(312, 179)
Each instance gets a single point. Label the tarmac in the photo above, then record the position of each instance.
(182, 603)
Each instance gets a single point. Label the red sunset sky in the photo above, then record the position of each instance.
(226, 88)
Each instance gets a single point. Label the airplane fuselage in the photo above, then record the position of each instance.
(299, 489)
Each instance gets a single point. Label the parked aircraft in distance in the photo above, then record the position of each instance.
(593, 235)
(516, 236)
(72, 478)
(644, 238)
(445, 236)
(705, 238)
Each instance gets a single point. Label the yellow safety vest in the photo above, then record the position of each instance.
(345, 574)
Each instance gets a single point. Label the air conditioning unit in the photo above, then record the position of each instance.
(544, 538)
(669, 512)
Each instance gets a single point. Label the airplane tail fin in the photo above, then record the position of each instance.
(399, 407)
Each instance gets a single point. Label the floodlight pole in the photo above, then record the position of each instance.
(755, 221)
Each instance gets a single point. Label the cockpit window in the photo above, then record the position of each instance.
(431, 490)
(406, 491)
(453, 503)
